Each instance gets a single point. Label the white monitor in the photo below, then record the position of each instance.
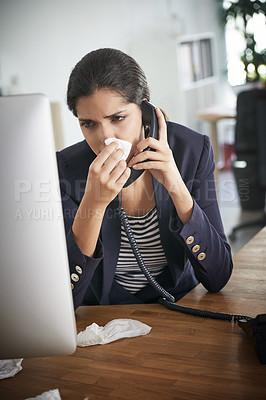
(36, 307)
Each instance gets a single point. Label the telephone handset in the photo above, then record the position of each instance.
(151, 129)
(149, 119)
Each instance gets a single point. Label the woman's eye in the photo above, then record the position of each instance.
(87, 124)
(118, 118)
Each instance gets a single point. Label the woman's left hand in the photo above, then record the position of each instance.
(160, 162)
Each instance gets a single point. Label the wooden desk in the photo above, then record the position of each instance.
(182, 358)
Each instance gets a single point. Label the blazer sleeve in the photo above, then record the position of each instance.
(203, 236)
(81, 266)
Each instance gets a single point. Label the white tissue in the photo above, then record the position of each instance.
(122, 144)
(113, 330)
(9, 368)
(51, 395)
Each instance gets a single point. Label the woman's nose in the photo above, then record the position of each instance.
(106, 131)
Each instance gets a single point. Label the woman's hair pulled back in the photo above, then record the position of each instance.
(107, 68)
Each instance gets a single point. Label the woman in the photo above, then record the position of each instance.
(172, 206)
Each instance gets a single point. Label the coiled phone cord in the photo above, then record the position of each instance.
(167, 299)
(139, 258)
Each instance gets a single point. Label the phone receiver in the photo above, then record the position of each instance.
(149, 120)
(151, 129)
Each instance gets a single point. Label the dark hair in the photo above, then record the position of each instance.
(107, 68)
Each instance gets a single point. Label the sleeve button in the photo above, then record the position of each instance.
(78, 269)
(195, 248)
(190, 240)
(201, 256)
(74, 277)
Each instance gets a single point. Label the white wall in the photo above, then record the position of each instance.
(41, 41)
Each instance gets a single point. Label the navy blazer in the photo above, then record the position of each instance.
(210, 263)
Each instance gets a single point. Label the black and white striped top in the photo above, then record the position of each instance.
(146, 233)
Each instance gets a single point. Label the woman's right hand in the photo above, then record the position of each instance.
(107, 175)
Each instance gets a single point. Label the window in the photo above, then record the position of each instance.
(236, 44)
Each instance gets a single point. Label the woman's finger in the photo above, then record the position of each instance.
(149, 142)
(103, 156)
(162, 153)
(112, 160)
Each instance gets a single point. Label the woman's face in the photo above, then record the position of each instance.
(106, 114)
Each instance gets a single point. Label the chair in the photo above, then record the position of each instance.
(250, 148)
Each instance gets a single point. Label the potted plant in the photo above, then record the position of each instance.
(241, 12)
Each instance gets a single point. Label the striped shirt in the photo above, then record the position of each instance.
(147, 235)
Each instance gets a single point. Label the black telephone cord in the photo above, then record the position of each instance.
(167, 299)
(203, 313)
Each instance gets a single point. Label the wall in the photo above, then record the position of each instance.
(40, 42)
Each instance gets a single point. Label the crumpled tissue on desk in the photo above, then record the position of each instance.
(113, 330)
(50, 395)
(9, 368)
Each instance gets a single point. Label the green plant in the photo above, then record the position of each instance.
(241, 11)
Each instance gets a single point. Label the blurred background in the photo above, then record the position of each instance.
(198, 56)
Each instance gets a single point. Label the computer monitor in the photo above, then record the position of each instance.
(36, 307)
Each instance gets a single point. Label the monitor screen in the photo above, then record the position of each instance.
(36, 306)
